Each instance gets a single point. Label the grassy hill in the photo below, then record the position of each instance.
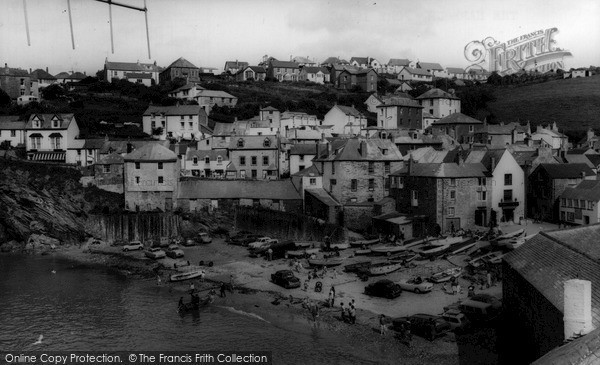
(573, 103)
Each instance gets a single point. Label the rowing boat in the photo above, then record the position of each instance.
(186, 275)
(387, 249)
(382, 268)
(325, 262)
(364, 242)
(301, 253)
(357, 266)
(365, 251)
(446, 275)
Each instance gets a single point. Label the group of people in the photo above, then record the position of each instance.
(349, 312)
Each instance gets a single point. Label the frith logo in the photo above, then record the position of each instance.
(533, 51)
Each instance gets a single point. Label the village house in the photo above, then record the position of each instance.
(480, 75)
(365, 79)
(355, 175)
(278, 195)
(346, 120)
(308, 178)
(373, 101)
(254, 157)
(457, 73)
(308, 134)
(206, 163)
(302, 154)
(207, 99)
(319, 75)
(48, 136)
(70, 78)
(251, 73)
(395, 65)
(447, 195)
(151, 175)
(12, 130)
(283, 70)
(109, 173)
(40, 79)
(181, 68)
(289, 119)
(400, 113)
(547, 183)
(501, 135)
(410, 140)
(579, 204)
(136, 72)
(233, 67)
(85, 152)
(124, 147)
(439, 103)
(304, 61)
(458, 126)
(591, 140)
(550, 137)
(414, 74)
(177, 121)
(365, 62)
(549, 298)
(331, 61)
(507, 184)
(435, 69)
(15, 81)
(580, 73)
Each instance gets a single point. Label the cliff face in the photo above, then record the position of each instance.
(38, 199)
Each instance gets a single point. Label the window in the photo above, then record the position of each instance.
(243, 160)
(254, 174)
(576, 203)
(586, 219)
(451, 210)
(508, 195)
(481, 181)
(240, 143)
(507, 179)
(353, 184)
(582, 204)
(313, 181)
(195, 160)
(430, 102)
(570, 203)
(333, 168)
(55, 123)
(563, 202)
(371, 167)
(453, 194)
(106, 169)
(182, 117)
(570, 217)
(452, 182)
(56, 143)
(301, 157)
(160, 180)
(219, 160)
(562, 216)
(13, 133)
(253, 160)
(265, 160)
(78, 152)
(190, 117)
(137, 180)
(153, 124)
(36, 143)
(206, 160)
(590, 205)
(386, 167)
(160, 165)
(482, 195)
(471, 128)
(267, 142)
(371, 184)
(137, 165)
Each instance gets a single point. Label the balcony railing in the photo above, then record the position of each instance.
(512, 202)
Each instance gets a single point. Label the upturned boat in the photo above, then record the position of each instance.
(339, 246)
(361, 243)
(302, 253)
(186, 275)
(335, 261)
(387, 249)
(382, 268)
(428, 251)
(446, 275)
(365, 251)
(404, 257)
(357, 266)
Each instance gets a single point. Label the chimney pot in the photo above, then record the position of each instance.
(577, 307)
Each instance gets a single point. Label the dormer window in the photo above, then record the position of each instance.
(55, 123)
(219, 159)
(240, 143)
(384, 151)
(36, 123)
(195, 160)
(267, 142)
(207, 159)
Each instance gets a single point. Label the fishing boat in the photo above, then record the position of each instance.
(404, 257)
(511, 234)
(365, 251)
(361, 243)
(485, 258)
(463, 246)
(387, 249)
(428, 251)
(186, 275)
(339, 246)
(301, 253)
(335, 261)
(357, 266)
(382, 268)
(416, 241)
(446, 275)
(306, 244)
(514, 242)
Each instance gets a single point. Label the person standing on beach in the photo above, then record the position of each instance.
(231, 283)
(343, 312)
(158, 280)
(223, 295)
(331, 297)
(270, 254)
(352, 314)
(192, 287)
(382, 324)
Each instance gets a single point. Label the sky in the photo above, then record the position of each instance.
(208, 33)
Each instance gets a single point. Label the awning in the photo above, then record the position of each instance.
(35, 135)
(53, 135)
(49, 156)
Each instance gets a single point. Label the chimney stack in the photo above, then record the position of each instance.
(577, 308)
(129, 147)
(493, 164)
(46, 68)
(362, 150)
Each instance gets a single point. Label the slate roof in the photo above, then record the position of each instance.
(132, 66)
(436, 94)
(594, 159)
(304, 149)
(46, 119)
(62, 75)
(350, 151)
(334, 60)
(40, 74)
(444, 170)
(187, 86)
(300, 59)
(360, 60)
(182, 62)
(355, 71)
(235, 64)
(323, 196)
(137, 75)
(457, 118)
(566, 170)
(77, 76)
(349, 110)
(399, 101)
(587, 190)
(416, 71)
(94, 143)
(582, 351)
(427, 155)
(223, 129)
(121, 146)
(253, 142)
(309, 171)
(548, 259)
(485, 157)
(175, 110)
(284, 64)
(112, 159)
(238, 189)
(153, 152)
(314, 70)
(579, 159)
(398, 62)
(257, 69)
(214, 94)
(8, 71)
(455, 70)
(430, 66)
(202, 154)
(267, 108)
(11, 122)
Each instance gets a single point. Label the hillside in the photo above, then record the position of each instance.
(573, 103)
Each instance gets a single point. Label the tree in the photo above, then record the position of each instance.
(4, 98)
(157, 131)
(53, 92)
(494, 79)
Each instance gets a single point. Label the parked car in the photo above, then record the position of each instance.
(133, 246)
(243, 239)
(189, 242)
(173, 251)
(262, 241)
(424, 325)
(155, 253)
(416, 285)
(384, 288)
(479, 312)
(278, 248)
(204, 237)
(458, 321)
(286, 279)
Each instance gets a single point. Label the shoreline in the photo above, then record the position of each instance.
(259, 303)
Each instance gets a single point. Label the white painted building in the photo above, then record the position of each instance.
(345, 120)
(178, 121)
(439, 103)
(48, 136)
(414, 74)
(580, 204)
(12, 130)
